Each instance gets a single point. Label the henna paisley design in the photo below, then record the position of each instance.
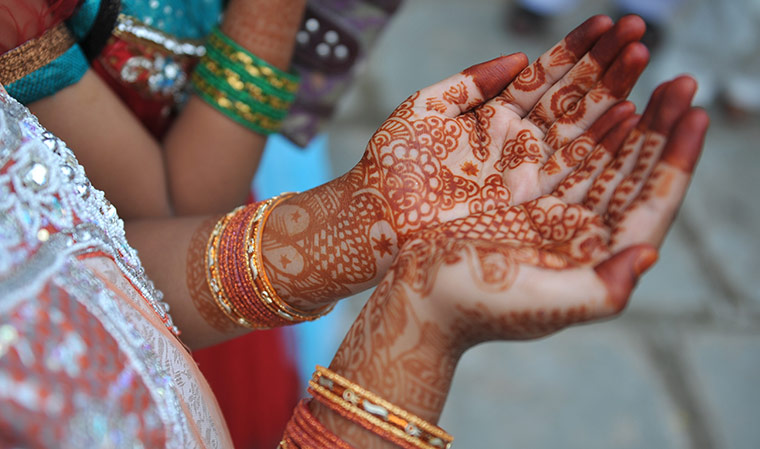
(577, 151)
(531, 78)
(565, 104)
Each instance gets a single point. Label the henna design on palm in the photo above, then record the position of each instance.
(594, 252)
(462, 146)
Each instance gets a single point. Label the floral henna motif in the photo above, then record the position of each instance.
(560, 56)
(470, 169)
(493, 195)
(435, 104)
(457, 94)
(540, 117)
(523, 148)
(475, 124)
(565, 104)
(577, 151)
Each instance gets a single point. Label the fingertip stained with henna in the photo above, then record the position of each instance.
(492, 76)
(583, 37)
(683, 150)
(624, 72)
(627, 29)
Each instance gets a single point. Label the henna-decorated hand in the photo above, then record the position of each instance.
(526, 271)
(483, 139)
(573, 255)
(480, 140)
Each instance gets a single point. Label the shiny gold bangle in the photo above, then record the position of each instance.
(213, 270)
(235, 272)
(374, 413)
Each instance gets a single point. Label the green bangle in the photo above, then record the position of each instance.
(216, 73)
(235, 89)
(245, 75)
(252, 64)
(236, 110)
(244, 87)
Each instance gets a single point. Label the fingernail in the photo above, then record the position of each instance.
(646, 259)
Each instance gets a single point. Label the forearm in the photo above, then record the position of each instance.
(316, 248)
(173, 253)
(396, 351)
(120, 157)
(211, 171)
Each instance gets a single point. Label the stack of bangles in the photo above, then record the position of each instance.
(366, 409)
(235, 271)
(244, 87)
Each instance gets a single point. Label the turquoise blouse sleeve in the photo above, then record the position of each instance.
(65, 70)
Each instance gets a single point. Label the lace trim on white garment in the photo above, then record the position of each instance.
(47, 188)
(49, 214)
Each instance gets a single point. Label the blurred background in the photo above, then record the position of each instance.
(681, 367)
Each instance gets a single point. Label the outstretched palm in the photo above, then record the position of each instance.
(472, 143)
(572, 255)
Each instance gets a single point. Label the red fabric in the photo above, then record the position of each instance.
(256, 384)
(21, 20)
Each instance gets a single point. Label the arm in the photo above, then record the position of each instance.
(205, 145)
(460, 284)
(340, 238)
(206, 162)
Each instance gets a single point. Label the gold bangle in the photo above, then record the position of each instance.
(374, 413)
(213, 275)
(235, 272)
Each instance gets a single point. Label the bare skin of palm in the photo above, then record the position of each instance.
(571, 255)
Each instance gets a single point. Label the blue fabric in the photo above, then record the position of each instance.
(186, 19)
(82, 21)
(64, 71)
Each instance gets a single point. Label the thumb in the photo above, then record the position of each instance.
(622, 270)
(473, 86)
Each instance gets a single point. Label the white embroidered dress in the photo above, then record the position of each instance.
(88, 353)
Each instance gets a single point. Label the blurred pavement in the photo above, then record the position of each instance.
(681, 367)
